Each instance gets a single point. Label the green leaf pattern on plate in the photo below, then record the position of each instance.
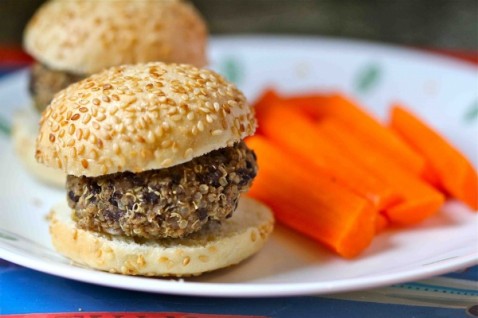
(368, 77)
(5, 126)
(472, 113)
(231, 68)
(6, 236)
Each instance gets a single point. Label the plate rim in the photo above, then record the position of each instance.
(175, 286)
(178, 286)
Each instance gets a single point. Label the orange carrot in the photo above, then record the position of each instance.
(420, 200)
(267, 99)
(381, 223)
(454, 172)
(310, 202)
(360, 123)
(314, 105)
(295, 132)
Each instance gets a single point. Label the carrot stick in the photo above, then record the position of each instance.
(360, 123)
(310, 202)
(454, 172)
(420, 200)
(381, 223)
(267, 99)
(296, 133)
(314, 105)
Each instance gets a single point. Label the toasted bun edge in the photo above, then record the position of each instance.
(239, 237)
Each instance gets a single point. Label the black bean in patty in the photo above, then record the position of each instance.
(170, 202)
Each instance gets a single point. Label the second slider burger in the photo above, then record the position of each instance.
(156, 166)
(72, 39)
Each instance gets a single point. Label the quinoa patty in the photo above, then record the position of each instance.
(45, 83)
(170, 202)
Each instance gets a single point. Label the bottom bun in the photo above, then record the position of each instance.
(234, 240)
(24, 132)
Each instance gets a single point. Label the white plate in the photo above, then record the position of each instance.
(440, 90)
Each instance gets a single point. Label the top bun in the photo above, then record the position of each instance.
(141, 117)
(84, 37)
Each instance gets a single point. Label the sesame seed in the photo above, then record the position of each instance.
(116, 148)
(86, 119)
(71, 129)
(144, 153)
(186, 260)
(59, 163)
(158, 131)
(93, 154)
(253, 236)
(81, 149)
(166, 162)
(83, 109)
(176, 117)
(84, 163)
(150, 137)
(204, 110)
(200, 125)
(113, 111)
(140, 139)
(174, 147)
(52, 138)
(163, 259)
(96, 102)
(100, 117)
(75, 117)
(166, 143)
(93, 139)
(86, 134)
(217, 132)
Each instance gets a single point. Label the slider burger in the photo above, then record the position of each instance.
(156, 165)
(70, 40)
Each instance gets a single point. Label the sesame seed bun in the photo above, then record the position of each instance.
(24, 133)
(141, 117)
(85, 37)
(236, 239)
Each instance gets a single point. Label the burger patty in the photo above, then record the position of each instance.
(45, 83)
(171, 202)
